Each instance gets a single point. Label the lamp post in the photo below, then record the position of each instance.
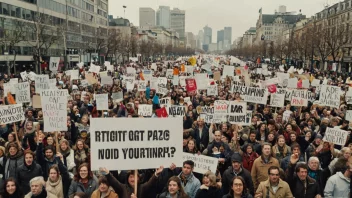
(124, 11)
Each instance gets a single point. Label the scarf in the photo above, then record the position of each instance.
(313, 174)
(184, 179)
(55, 188)
(81, 156)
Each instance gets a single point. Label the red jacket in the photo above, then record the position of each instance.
(248, 160)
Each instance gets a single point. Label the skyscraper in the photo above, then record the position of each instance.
(227, 38)
(178, 18)
(220, 39)
(163, 16)
(208, 35)
(146, 17)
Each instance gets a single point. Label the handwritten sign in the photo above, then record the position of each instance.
(142, 85)
(102, 101)
(22, 93)
(27, 76)
(299, 98)
(177, 111)
(11, 113)
(330, 96)
(252, 94)
(162, 86)
(336, 136)
(41, 83)
(202, 163)
(165, 101)
(54, 64)
(220, 106)
(145, 110)
(277, 100)
(54, 105)
(212, 90)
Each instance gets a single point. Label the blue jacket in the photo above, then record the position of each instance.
(192, 186)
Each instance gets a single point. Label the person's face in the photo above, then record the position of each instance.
(249, 149)
(83, 172)
(36, 188)
(173, 188)
(217, 136)
(302, 174)
(271, 137)
(30, 113)
(187, 169)
(266, 111)
(103, 187)
(262, 128)
(317, 141)
(347, 154)
(200, 122)
(63, 146)
(224, 139)
(10, 187)
(131, 180)
(266, 150)
(29, 126)
(10, 137)
(190, 145)
(237, 187)
(252, 137)
(236, 166)
(50, 140)
(80, 145)
(279, 118)
(293, 137)
(84, 120)
(224, 128)
(206, 181)
(13, 151)
(53, 175)
(254, 119)
(28, 158)
(274, 176)
(49, 154)
(281, 142)
(313, 165)
(289, 128)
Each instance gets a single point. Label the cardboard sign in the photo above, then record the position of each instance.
(330, 96)
(106, 80)
(102, 101)
(117, 96)
(165, 101)
(202, 163)
(252, 94)
(212, 90)
(162, 86)
(299, 98)
(54, 105)
(91, 79)
(277, 100)
(217, 75)
(142, 86)
(23, 93)
(11, 113)
(191, 86)
(176, 111)
(145, 110)
(138, 143)
(221, 106)
(37, 102)
(336, 136)
(54, 64)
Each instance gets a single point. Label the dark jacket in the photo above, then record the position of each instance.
(297, 186)
(117, 186)
(229, 175)
(43, 162)
(164, 194)
(77, 186)
(243, 196)
(11, 163)
(66, 180)
(202, 142)
(25, 173)
(212, 192)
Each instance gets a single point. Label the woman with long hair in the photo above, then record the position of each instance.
(238, 186)
(280, 150)
(248, 157)
(81, 152)
(68, 154)
(262, 132)
(83, 181)
(174, 189)
(104, 190)
(210, 188)
(59, 180)
(191, 147)
(14, 159)
(11, 189)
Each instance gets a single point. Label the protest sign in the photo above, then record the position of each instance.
(277, 100)
(12, 83)
(162, 86)
(330, 96)
(336, 136)
(147, 75)
(292, 83)
(220, 106)
(348, 96)
(311, 96)
(91, 79)
(202, 163)
(169, 74)
(27, 76)
(54, 105)
(205, 109)
(165, 101)
(102, 101)
(175, 80)
(37, 102)
(316, 82)
(142, 85)
(237, 108)
(348, 115)
(74, 74)
(217, 75)
(22, 93)
(52, 83)
(54, 64)
(305, 84)
(11, 113)
(106, 80)
(182, 80)
(117, 96)
(191, 86)
(228, 71)
(299, 98)
(137, 143)
(202, 81)
(145, 110)
(176, 111)
(212, 90)
(216, 118)
(41, 83)
(129, 82)
(252, 94)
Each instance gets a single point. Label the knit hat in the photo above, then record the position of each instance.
(236, 157)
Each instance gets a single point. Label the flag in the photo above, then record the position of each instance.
(272, 88)
(161, 113)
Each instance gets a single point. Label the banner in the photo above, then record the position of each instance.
(165, 101)
(27, 76)
(330, 96)
(22, 93)
(142, 85)
(177, 111)
(102, 101)
(191, 86)
(299, 98)
(137, 143)
(11, 113)
(202, 163)
(277, 100)
(54, 64)
(54, 106)
(162, 86)
(145, 110)
(220, 106)
(252, 94)
(41, 83)
(336, 136)
(212, 90)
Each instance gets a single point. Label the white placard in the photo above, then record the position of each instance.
(220, 106)
(106, 80)
(147, 75)
(41, 83)
(348, 115)
(277, 100)
(165, 101)
(27, 76)
(212, 90)
(202, 81)
(228, 71)
(305, 84)
(102, 101)
(202, 163)
(138, 143)
(330, 96)
(162, 86)
(129, 82)
(169, 74)
(336, 136)
(23, 93)
(175, 80)
(315, 82)
(54, 106)
(252, 94)
(292, 83)
(176, 111)
(142, 86)
(11, 113)
(348, 96)
(54, 64)
(145, 110)
(299, 98)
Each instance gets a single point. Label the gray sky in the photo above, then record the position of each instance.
(238, 14)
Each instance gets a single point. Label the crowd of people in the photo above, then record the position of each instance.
(280, 154)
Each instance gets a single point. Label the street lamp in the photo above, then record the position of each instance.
(124, 11)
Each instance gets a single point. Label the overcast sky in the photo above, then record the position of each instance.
(238, 14)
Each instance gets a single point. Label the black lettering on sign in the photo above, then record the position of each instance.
(236, 109)
(158, 135)
(135, 135)
(108, 154)
(148, 153)
(110, 136)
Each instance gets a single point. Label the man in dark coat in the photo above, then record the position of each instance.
(201, 134)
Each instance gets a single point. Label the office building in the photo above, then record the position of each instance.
(163, 17)
(146, 18)
(178, 23)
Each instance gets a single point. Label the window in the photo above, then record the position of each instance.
(5, 9)
(18, 12)
(104, 6)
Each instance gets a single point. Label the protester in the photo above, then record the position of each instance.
(104, 190)
(238, 189)
(11, 189)
(210, 188)
(174, 189)
(59, 180)
(83, 181)
(38, 189)
(338, 185)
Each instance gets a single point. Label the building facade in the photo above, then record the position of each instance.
(163, 17)
(146, 17)
(178, 23)
(249, 37)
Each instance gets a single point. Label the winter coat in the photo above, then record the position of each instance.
(281, 155)
(167, 195)
(282, 192)
(202, 142)
(297, 186)
(228, 176)
(337, 186)
(69, 160)
(43, 194)
(12, 163)
(192, 185)
(248, 160)
(25, 173)
(229, 195)
(62, 185)
(117, 186)
(109, 194)
(77, 186)
(211, 192)
(260, 169)
(44, 162)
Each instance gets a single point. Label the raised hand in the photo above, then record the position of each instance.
(159, 170)
(294, 158)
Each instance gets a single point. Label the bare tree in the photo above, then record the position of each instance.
(337, 37)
